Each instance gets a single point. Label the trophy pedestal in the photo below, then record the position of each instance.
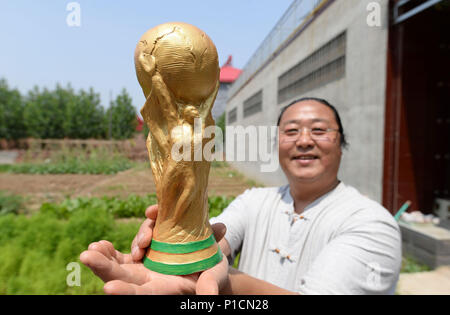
(182, 258)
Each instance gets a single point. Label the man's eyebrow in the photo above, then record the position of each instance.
(297, 121)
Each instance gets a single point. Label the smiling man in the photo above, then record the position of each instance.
(311, 139)
(315, 235)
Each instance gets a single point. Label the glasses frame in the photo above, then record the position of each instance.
(310, 133)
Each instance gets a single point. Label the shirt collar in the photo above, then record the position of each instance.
(288, 201)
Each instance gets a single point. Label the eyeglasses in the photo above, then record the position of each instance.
(316, 134)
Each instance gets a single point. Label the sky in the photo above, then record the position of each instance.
(38, 47)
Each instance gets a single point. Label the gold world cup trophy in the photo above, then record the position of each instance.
(177, 68)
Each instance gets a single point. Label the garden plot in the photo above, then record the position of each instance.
(40, 188)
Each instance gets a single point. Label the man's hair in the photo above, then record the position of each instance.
(343, 141)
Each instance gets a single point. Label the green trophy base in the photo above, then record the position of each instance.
(169, 258)
(183, 269)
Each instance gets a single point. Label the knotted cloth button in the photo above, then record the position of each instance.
(283, 254)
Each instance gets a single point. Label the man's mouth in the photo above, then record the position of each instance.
(305, 157)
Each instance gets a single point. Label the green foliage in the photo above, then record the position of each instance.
(11, 113)
(145, 130)
(219, 164)
(221, 124)
(45, 112)
(10, 203)
(410, 265)
(64, 113)
(122, 116)
(217, 204)
(77, 162)
(236, 260)
(133, 206)
(221, 142)
(85, 116)
(36, 250)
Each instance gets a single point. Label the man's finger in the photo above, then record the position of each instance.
(219, 230)
(115, 254)
(207, 285)
(210, 280)
(99, 247)
(142, 240)
(144, 237)
(107, 269)
(98, 263)
(118, 287)
(157, 286)
(152, 212)
(107, 249)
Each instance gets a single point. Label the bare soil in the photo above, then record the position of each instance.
(138, 180)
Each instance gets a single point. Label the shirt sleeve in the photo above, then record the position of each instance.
(235, 218)
(365, 258)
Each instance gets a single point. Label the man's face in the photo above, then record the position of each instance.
(303, 158)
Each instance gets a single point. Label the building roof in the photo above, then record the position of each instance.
(228, 73)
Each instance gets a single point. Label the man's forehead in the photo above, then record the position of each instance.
(308, 111)
(306, 120)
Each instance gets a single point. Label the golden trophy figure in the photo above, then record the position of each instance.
(177, 68)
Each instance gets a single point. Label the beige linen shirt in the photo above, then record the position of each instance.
(343, 243)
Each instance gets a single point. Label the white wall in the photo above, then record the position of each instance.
(359, 96)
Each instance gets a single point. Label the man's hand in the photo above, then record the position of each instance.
(125, 273)
(143, 238)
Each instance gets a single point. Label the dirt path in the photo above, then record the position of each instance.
(42, 188)
(425, 283)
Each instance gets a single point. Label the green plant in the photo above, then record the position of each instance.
(121, 117)
(36, 250)
(10, 203)
(74, 162)
(217, 204)
(45, 112)
(220, 122)
(64, 113)
(236, 261)
(84, 116)
(11, 113)
(410, 265)
(219, 164)
(5, 168)
(133, 206)
(145, 130)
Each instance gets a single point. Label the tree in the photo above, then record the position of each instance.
(84, 116)
(221, 124)
(12, 126)
(45, 112)
(122, 116)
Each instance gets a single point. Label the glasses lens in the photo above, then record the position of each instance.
(292, 136)
(324, 137)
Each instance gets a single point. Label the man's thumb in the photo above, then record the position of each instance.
(219, 230)
(207, 285)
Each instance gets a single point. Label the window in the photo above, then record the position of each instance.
(232, 116)
(325, 65)
(253, 104)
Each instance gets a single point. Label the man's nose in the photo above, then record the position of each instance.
(304, 138)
